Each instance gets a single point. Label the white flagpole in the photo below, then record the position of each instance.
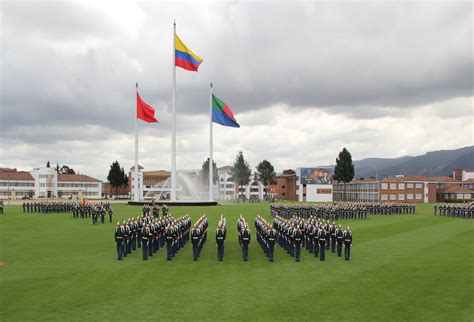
(135, 184)
(211, 163)
(173, 131)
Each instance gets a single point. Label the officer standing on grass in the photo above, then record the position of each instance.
(332, 232)
(347, 243)
(271, 243)
(119, 236)
(339, 240)
(322, 243)
(169, 242)
(145, 235)
(297, 236)
(245, 243)
(110, 214)
(220, 238)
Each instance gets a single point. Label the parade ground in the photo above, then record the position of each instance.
(402, 267)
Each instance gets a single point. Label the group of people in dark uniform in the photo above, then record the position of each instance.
(314, 234)
(384, 208)
(461, 210)
(47, 207)
(243, 231)
(94, 211)
(266, 236)
(340, 210)
(199, 236)
(151, 234)
(332, 212)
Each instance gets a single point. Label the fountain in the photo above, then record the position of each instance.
(189, 191)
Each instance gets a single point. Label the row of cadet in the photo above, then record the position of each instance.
(315, 235)
(462, 210)
(151, 234)
(47, 207)
(340, 210)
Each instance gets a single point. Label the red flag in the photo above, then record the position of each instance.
(145, 112)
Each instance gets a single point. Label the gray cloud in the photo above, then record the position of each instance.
(68, 71)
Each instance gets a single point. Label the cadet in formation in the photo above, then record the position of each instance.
(220, 237)
(199, 236)
(243, 231)
(347, 236)
(176, 234)
(266, 236)
(318, 236)
(463, 210)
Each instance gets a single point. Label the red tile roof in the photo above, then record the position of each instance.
(76, 177)
(15, 175)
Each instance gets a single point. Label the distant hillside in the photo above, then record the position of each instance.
(436, 163)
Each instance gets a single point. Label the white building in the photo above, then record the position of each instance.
(228, 190)
(226, 186)
(314, 184)
(47, 183)
(136, 182)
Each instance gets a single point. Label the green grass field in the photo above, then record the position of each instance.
(403, 268)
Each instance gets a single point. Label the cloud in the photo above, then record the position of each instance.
(303, 79)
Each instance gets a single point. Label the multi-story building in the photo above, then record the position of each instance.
(16, 184)
(413, 189)
(151, 184)
(285, 186)
(357, 190)
(47, 183)
(226, 186)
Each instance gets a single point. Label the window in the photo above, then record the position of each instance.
(393, 197)
(384, 186)
(409, 185)
(283, 187)
(393, 186)
(467, 196)
(383, 197)
(401, 186)
(401, 196)
(410, 196)
(419, 185)
(283, 194)
(418, 196)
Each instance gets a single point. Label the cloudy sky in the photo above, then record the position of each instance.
(304, 80)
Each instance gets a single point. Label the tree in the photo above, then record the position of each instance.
(266, 174)
(241, 171)
(66, 170)
(117, 176)
(48, 165)
(344, 170)
(205, 172)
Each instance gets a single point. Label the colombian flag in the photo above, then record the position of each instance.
(184, 57)
(222, 114)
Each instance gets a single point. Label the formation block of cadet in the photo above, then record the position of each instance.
(176, 234)
(243, 231)
(199, 236)
(317, 236)
(266, 236)
(463, 210)
(221, 232)
(92, 210)
(47, 207)
(340, 210)
(149, 233)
